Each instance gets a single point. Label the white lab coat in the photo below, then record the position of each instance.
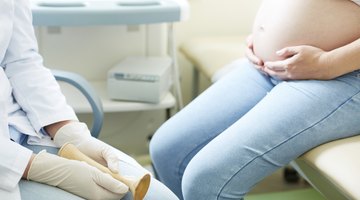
(30, 97)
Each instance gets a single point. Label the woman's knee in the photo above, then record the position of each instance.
(159, 191)
(200, 181)
(208, 182)
(160, 143)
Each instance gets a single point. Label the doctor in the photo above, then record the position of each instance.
(35, 119)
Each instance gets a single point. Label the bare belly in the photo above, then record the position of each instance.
(327, 24)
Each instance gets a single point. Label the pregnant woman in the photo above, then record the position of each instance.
(298, 88)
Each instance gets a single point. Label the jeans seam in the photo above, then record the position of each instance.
(288, 139)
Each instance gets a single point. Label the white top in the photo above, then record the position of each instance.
(30, 97)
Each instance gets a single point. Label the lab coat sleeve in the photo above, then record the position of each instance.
(34, 87)
(14, 157)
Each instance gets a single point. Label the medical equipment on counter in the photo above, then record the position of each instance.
(116, 12)
(145, 79)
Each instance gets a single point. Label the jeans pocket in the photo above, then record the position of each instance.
(355, 73)
(358, 73)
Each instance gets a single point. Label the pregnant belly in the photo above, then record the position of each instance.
(327, 24)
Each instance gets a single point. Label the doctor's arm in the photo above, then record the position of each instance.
(308, 62)
(39, 95)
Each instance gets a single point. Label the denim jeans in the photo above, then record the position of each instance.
(31, 190)
(246, 126)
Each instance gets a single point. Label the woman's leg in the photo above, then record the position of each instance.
(157, 190)
(128, 167)
(293, 118)
(180, 138)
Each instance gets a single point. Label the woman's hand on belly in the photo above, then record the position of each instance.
(249, 53)
(300, 62)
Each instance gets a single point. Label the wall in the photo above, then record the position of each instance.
(91, 51)
(213, 18)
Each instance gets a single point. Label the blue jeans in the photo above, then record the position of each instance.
(30, 190)
(246, 126)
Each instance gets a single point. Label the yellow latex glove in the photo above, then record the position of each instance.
(75, 177)
(78, 134)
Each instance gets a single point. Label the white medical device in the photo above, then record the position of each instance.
(144, 79)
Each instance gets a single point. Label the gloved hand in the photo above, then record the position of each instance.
(78, 134)
(75, 177)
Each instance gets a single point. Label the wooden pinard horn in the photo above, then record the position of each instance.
(137, 186)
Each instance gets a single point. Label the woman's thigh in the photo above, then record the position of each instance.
(293, 118)
(181, 137)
